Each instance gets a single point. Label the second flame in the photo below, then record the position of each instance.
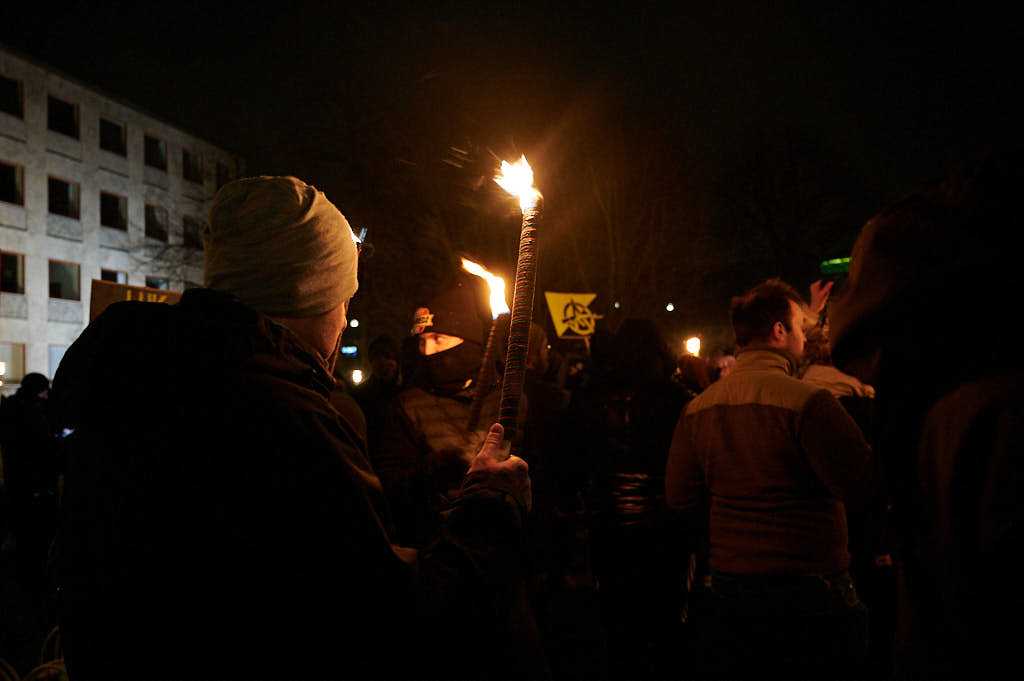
(495, 284)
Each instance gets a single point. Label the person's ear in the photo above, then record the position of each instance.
(778, 331)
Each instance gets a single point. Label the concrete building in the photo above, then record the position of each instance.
(90, 188)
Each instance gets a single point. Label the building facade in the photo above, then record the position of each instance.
(90, 188)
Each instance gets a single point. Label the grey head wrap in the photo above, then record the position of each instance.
(280, 246)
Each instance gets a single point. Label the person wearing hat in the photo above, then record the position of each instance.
(220, 518)
(927, 318)
(426, 444)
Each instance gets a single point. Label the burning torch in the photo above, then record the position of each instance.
(499, 307)
(517, 179)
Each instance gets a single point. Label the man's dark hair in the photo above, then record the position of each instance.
(755, 312)
(33, 384)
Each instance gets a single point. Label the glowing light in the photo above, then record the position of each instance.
(693, 346)
(517, 179)
(835, 266)
(3, 368)
(495, 284)
(670, 307)
(617, 305)
(357, 376)
(354, 323)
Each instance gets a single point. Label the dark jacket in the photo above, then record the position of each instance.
(221, 520)
(772, 459)
(29, 450)
(424, 451)
(965, 551)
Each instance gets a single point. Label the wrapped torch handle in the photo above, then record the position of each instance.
(483, 381)
(519, 331)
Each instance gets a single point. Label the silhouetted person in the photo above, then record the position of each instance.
(639, 553)
(928, 318)
(220, 519)
(426, 444)
(30, 475)
(695, 373)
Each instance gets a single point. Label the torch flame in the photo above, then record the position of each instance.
(693, 346)
(495, 284)
(517, 179)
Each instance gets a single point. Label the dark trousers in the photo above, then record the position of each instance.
(805, 627)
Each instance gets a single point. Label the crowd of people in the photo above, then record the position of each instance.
(833, 497)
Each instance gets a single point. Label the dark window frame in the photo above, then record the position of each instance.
(121, 224)
(20, 288)
(52, 120)
(78, 197)
(166, 280)
(104, 271)
(19, 94)
(15, 346)
(19, 183)
(118, 147)
(150, 161)
(191, 166)
(164, 233)
(49, 278)
(192, 238)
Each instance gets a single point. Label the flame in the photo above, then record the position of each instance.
(495, 284)
(693, 346)
(517, 179)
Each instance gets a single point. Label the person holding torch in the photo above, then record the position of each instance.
(222, 520)
(427, 443)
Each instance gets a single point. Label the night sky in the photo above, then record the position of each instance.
(683, 152)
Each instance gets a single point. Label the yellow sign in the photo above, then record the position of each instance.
(106, 293)
(571, 313)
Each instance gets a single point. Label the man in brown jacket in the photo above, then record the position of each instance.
(766, 462)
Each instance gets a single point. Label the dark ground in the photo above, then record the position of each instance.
(25, 618)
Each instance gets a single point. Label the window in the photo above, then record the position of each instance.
(12, 183)
(191, 166)
(113, 137)
(223, 175)
(63, 198)
(156, 153)
(12, 362)
(156, 223)
(158, 282)
(64, 280)
(192, 229)
(62, 116)
(114, 276)
(114, 211)
(12, 97)
(12, 272)
(56, 353)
